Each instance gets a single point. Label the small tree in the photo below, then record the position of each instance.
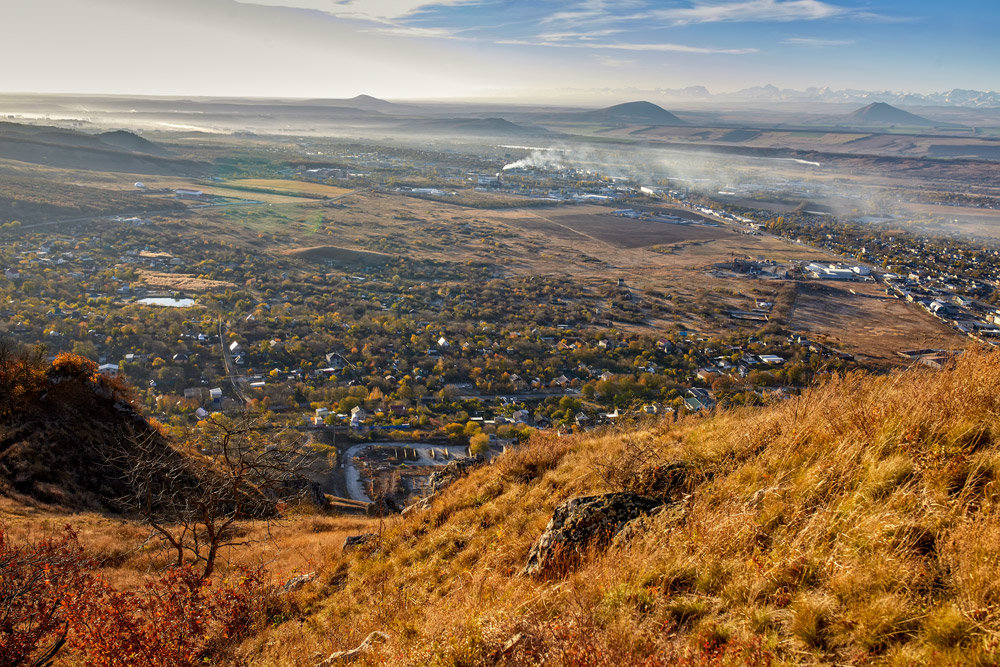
(242, 469)
(479, 444)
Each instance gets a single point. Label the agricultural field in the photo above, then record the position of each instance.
(575, 224)
(296, 187)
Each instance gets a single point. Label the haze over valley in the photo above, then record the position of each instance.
(479, 333)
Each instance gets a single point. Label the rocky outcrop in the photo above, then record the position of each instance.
(353, 541)
(452, 472)
(420, 505)
(584, 523)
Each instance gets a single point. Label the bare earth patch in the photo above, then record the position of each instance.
(867, 323)
(181, 281)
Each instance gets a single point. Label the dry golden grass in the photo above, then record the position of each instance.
(855, 524)
(181, 281)
(128, 555)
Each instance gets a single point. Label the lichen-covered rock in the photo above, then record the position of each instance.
(420, 505)
(581, 524)
(295, 583)
(353, 541)
(452, 472)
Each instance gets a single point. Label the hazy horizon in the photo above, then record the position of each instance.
(452, 50)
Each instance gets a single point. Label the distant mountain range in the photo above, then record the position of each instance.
(118, 150)
(954, 98)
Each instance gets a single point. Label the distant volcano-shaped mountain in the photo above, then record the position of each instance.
(632, 113)
(369, 103)
(880, 113)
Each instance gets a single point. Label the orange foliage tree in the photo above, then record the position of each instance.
(51, 598)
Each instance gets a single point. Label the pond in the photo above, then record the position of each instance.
(166, 301)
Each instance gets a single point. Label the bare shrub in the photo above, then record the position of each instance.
(236, 470)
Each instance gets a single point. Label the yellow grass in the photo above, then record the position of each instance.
(855, 524)
(128, 554)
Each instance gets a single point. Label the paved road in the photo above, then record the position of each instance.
(352, 476)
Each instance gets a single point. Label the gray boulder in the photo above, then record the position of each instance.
(589, 522)
(452, 472)
(353, 541)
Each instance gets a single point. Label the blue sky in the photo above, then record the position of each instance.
(504, 48)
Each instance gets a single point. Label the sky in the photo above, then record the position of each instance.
(530, 50)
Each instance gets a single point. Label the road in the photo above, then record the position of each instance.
(352, 476)
(227, 361)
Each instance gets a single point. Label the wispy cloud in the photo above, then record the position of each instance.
(660, 46)
(373, 10)
(678, 48)
(818, 43)
(583, 12)
(416, 31)
(749, 10)
(587, 36)
(616, 62)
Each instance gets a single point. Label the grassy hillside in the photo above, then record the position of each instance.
(854, 524)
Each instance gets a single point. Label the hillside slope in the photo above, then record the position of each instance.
(69, 149)
(856, 523)
(61, 429)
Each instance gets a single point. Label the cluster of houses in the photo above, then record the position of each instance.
(978, 320)
(837, 271)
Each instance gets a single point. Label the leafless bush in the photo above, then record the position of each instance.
(234, 470)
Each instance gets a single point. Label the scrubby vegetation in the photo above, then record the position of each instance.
(856, 523)
(56, 605)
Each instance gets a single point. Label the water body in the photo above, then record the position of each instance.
(166, 301)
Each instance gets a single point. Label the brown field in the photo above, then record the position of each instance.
(220, 190)
(867, 323)
(571, 225)
(181, 281)
(302, 187)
